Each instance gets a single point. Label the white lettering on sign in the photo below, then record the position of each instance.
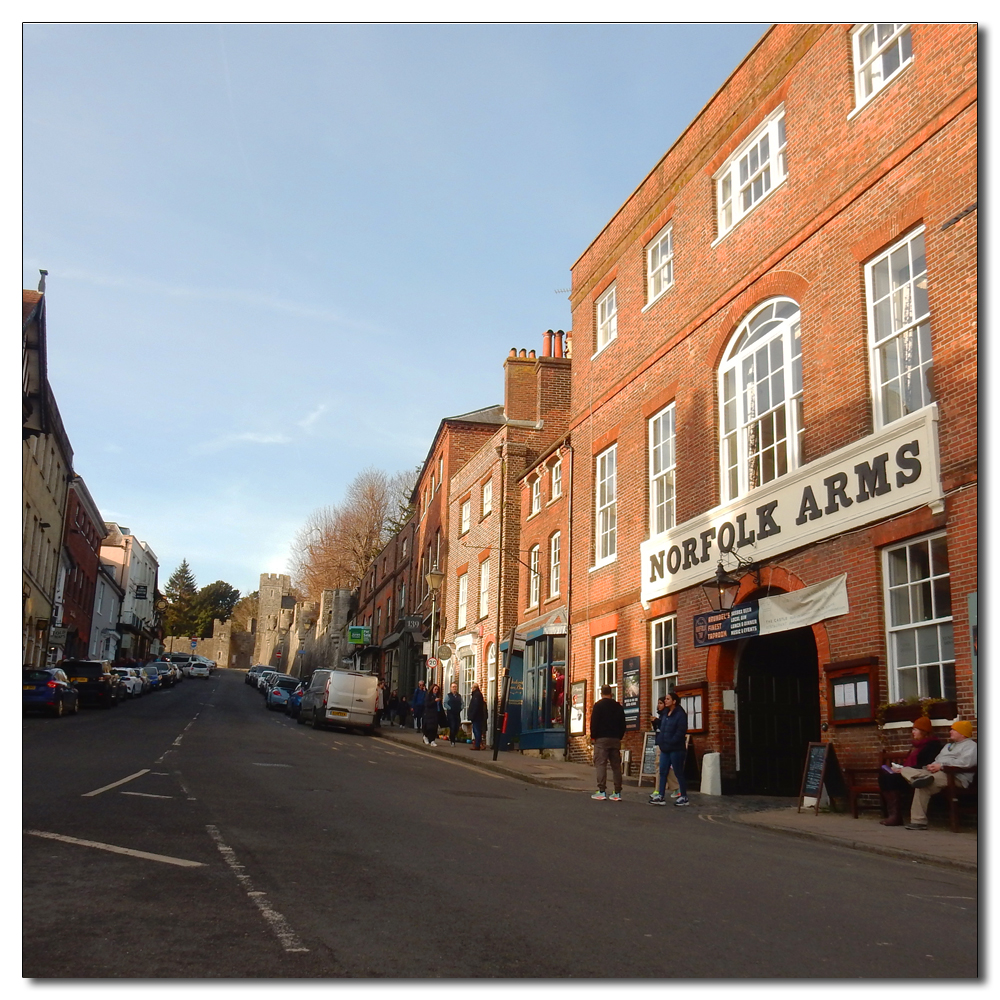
(874, 478)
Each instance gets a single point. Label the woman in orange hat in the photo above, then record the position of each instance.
(924, 749)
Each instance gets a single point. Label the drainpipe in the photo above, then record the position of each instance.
(569, 597)
(492, 722)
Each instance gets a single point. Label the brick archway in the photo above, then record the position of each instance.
(721, 665)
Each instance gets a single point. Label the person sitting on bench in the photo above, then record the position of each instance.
(960, 752)
(892, 784)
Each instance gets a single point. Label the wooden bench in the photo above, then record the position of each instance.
(862, 781)
(955, 794)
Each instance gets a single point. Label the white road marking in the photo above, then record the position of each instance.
(256, 764)
(275, 920)
(180, 862)
(177, 742)
(115, 784)
(147, 795)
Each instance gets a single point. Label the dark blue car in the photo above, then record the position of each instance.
(47, 689)
(294, 702)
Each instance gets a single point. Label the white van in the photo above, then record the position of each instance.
(341, 698)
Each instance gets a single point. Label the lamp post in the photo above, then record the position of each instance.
(434, 580)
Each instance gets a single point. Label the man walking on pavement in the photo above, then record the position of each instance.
(453, 706)
(607, 727)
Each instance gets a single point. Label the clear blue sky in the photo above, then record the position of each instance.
(278, 254)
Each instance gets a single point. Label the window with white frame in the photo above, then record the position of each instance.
(880, 52)
(487, 497)
(660, 264)
(694, 710)
(752, 172)
(555, 564)
(663, 645)
(484, 588)
(918, 619)
(536, 495)
(466, 678)
(534, 576)
(606, 541)
(557, 478)
(466, 517)
(440, 470)
(760, 397)
(606, 663)
(899, 329)
(662, 460)
(607, 318)
(463, 598)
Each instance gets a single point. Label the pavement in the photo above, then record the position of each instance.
(937, 845)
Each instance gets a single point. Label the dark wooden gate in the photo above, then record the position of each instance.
(777, 693)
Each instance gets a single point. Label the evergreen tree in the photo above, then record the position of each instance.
(216, 600)
(180, 592)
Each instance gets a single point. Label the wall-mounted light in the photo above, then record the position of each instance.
(721, 589)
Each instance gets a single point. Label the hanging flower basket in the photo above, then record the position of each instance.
(901, 713)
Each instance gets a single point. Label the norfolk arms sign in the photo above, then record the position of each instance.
(883, 474)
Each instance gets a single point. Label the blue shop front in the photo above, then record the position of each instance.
(538, 678)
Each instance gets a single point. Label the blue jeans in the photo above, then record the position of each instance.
(674, 759)
(477, 735)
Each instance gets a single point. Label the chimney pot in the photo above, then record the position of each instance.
(523, 353)
(557, 344)
(531, 353)
(547, 344)
(513, 353)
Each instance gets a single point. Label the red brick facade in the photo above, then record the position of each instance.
(858, 181)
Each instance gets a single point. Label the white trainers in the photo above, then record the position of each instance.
(424, 738)
(433, 743)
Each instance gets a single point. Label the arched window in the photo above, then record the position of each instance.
(760, 399)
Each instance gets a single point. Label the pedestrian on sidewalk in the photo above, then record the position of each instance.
(961, 751)
(607, 727)
(453, 704)
(392, 707)
(672, 787)
(925, 747)
(477, 716)
(671, 735)
(403, 709)
(432, 707)
(417, 704)
(379, 703)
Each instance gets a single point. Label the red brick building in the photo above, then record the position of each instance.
(485, 520)
(775, 371)
(83, 531)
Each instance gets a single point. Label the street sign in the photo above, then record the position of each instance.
(194, 643)
(444, 651)
(433, 663)
(140, 592)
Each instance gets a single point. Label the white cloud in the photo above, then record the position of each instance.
(230, 440)
(306, 422)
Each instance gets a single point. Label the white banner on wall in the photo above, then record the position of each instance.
(807, 606)
(883, 474)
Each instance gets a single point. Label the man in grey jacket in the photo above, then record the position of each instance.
(607, 727)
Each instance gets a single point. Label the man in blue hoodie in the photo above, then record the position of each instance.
(671, 736)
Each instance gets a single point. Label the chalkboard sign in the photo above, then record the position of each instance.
(821, 768)
(650, 757)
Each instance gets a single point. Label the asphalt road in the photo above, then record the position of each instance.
(329, 854)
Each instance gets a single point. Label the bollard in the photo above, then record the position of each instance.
(711, 774)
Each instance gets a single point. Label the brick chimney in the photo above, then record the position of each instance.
(537, 388)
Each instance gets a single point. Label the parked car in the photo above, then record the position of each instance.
(95, 682)
(266, 676)
(279, 689)
(130, 680)
(167, 671)
(250, 677)
(152, 675)
(294, 701)
(197, 669)
(48, 689)
(347, 699)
